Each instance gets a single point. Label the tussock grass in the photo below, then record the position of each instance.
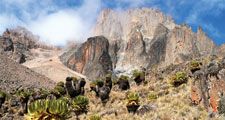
(171, 103)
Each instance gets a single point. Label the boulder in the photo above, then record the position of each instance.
(90, 58)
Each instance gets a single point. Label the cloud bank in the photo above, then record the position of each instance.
(54, 23)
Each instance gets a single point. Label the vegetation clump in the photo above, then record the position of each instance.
(123, 82)
(24, 95)
(2, 97)
(40, 94)
(95, 117)
(195, 66)
(152, 96)
(48, 110)
(138, 76)
(132, 102)
(178, 79)
(80, 105)
(95, 85)
(108, 81)
(99, 82)
(59, 90)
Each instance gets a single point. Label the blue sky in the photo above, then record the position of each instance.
(51, 18)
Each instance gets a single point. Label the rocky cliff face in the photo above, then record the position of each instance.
(91, 58)
(146, 37)
(17, 43)
(221, 50)
(133, 31)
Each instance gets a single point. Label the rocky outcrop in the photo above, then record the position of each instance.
(142, 38)
(158, 45)
(91, 58)
(208, 83)
(146, 37)
(130, 35)
(17, 43)
(221, 50)
(218, 86)
(206, 92)
(116, 25)
(14, 76)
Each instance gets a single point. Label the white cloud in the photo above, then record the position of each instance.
(51, 21)
(54, 24)
(67, 25)
(59, 27)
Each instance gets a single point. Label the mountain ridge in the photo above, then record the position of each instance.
(146, 37)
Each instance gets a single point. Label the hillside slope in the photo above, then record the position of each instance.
(47, 63)
(13, 76)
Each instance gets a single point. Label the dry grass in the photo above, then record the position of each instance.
(171, 104)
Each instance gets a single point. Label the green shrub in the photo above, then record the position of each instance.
(48, 110)
(44, 92)
(60, 90)
(124, 77)
(114, 81)
(152, 96)
(195, 65)
(133, 96)
(132, 102)
(137, 73)
(109, 75)
(24, 94)
(138, 76)
(60, 84)
(2, 98)
(2, 94)
(97, 82)
(80, 104)
(178, 79)
(94, 117)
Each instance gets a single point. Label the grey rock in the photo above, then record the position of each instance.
(90, 58)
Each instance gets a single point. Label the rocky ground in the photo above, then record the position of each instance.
(13, 76)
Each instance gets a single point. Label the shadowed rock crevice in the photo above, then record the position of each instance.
(157, 50)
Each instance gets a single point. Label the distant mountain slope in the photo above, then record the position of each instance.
(17, 43)
(13, 76)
